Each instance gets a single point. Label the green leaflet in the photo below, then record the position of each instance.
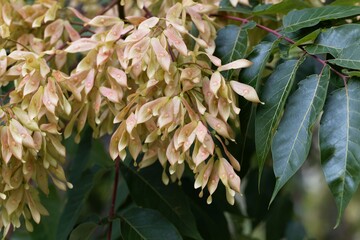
(147, 224)
(298, 19)
(83, 180)
(351, 73)
(274, 94)
(252, 76)
(210, 220)
(47, 227)
(148, 191)
(231, 44)
(259, 57)
(257, 195)
(283, 7)
(334, 39)
(292, 140)
(309, 38)
(349, 57)
(340, 143)
(225, 5)
(345, 2)
(83, 231)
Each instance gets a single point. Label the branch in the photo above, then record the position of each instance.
(121, 11)
(113, 198)
(279, 35)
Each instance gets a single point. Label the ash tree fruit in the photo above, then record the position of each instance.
(163, 83)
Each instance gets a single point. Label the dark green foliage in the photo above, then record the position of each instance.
(147, 224)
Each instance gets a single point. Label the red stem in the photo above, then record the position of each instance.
(148, 14)
(113, 198)
(279, 35)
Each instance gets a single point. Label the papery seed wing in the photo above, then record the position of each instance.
(247, 91)
(81, 45)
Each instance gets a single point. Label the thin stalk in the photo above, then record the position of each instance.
(113, 198)
(11, 40)
(279, 35)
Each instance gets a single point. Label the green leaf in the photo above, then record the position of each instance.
(83, 180)
(147, 224)
(210, 218)
(252, 76)
(231, 44)
(349, 57)
(309, 38)
(225, 6)
(340, 143)
(274, 94)
(148, 191)
(211, 222)
(298, 19)
(257, 195)
(292, 140)
(76, 199)
(351, 73)
(259, 57)
(281, 8)
(345, 2)
(334, 39)
(83, 231)
(47, 227)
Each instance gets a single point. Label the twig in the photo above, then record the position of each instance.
(172, 55)
(279, 35)
(148, 13)
(121, 11)
(10, 233)
(76, 23)
(14, 41)
(113, 198)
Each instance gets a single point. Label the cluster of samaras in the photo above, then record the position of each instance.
(148, 81)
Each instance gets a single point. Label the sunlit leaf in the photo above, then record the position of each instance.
(334, 39)
(349, 57)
